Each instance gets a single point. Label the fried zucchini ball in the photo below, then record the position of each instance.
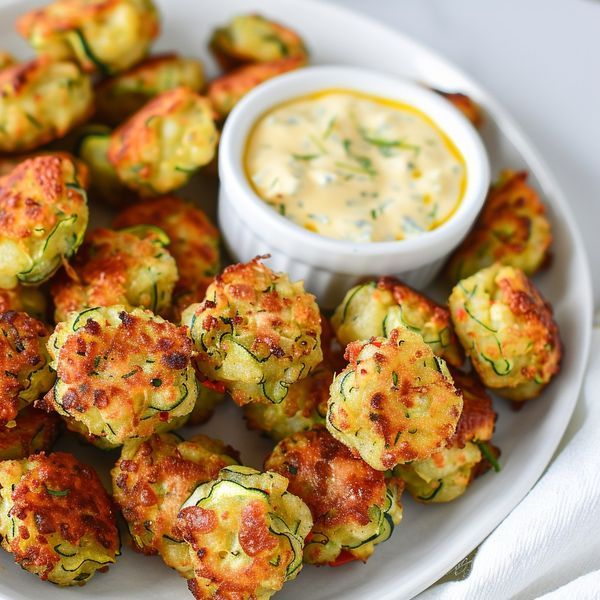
(194, 244)
(245, 535)
(120, 372)
(152, 480)
(6, 60)
(507, 330)
(35, 431)
(466, 105)
(226, 91)
(24, 299)
(41, 101)
(373, 309)
(256, 332)
(106, 36)
(252, 38)
(512, 229)
(131, 267)
(162, 145)
(447, 474)
(24, 363)
(210, 393)
(56, 518)
(121, 96)
(43, 217)
(353, 506)
(395, 401)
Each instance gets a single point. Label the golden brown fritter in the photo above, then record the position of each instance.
(395, 402)
(121, 372)
(24, 363)
(375, 308)
(152, 480)
(226, 91)
(6, 60)
(512, 229)
(57, 519)
(41, 101)
(160, 147)
(34, 431)
(194, 244)
(244, 533)
(119, 97)
(507, 330)
(252, 38)
(131, 267)
(466, 105)
(106, 36)
(354, 507)
(24, 299)
(256, 332)
(43, 217)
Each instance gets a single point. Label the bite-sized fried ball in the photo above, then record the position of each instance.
(24, 363)
(131, 267)
(256, 332)
(447, 474)
(512, 229)
(245, 535)
(252, 38)
(24, 299)
(35, 431)
(121, 96)
(56, 518)
(395, 401)
(373, 309)
(354, 507)
(41, 101)
(121, 372)
(43, 217)
(466, 105)
(194, 244)
(226, 91)
(507, 330)
(162, 145)
(101, 35)
(152, 480)
(6, 60)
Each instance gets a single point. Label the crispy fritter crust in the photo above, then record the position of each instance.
(24, 363)
(226, 91)
(121, 372)
(252, 38)
(466, 105)
(508, 331)
(373, 309)
(256, 332)
(395, 402)
(6, 60)
(245, 535)
(129, 267)
(121, 96)
(512, 229)
(353, 508)
(152, 480)
(57, 519)
(194, 244)
(34, 431)
(24, 299)
(41, 101)
(43, 216)
(159, 148)
(101, 35)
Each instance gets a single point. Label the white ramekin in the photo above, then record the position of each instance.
(330, 267)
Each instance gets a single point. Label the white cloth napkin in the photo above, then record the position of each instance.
(549, 546)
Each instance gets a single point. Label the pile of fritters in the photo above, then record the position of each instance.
(150, 334)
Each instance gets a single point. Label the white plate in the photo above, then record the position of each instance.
(430, 539)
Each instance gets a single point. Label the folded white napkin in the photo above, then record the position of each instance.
(549, 546)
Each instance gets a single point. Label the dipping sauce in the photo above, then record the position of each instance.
(355, 167)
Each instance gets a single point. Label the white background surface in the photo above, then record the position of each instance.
(541, 60)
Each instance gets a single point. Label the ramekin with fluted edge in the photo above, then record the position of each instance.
(329, 267)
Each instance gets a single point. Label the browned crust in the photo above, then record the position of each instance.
(466, 105)
(35, 431)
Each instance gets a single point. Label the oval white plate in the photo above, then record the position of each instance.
(431, 539)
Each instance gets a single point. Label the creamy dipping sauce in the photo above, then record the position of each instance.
(355, 167)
